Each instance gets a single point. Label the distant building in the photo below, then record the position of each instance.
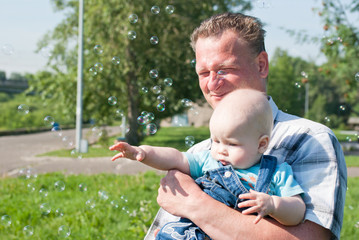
(353, 123)
(13, 86)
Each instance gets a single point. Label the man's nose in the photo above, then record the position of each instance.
(215, 81)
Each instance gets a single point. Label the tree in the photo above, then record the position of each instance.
(340, 46)
(119, 57)
(2, 76)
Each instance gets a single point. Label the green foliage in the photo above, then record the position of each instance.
(113, 207)
(106, 25)
(11, 118)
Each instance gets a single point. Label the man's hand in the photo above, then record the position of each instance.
(258, 202)
(127, 151)
(177, 193)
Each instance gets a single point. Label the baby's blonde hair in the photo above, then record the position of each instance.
(246, 106)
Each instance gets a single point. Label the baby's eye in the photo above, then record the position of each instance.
(233, 144)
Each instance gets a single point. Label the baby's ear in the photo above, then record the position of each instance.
(263, 143)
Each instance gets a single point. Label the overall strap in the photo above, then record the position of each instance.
(267, 167)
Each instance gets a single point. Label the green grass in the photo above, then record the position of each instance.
(165, 136)
(123, 220)
(352, 161)
(125, 211)
(350, 228)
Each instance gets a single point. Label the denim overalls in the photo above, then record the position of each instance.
(224, 185)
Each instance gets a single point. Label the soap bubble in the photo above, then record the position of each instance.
(193, 62)
(141, 120)
(356, 225)
(59, 186)
(93, 71)
(5, 220)
(83, 187)
(342, 108)
(153, 73)
(357, 76)
(57, 130)
(168, 81)
(161, 98)
(23, 109)
(144, 89)
(297, 85)
(304, 74)
(43, 192)
(151, 128)
(59, 212)
(156, 89)
(155, 10)
(124, 198)
(98, 49)
(7, 49)
(46, 51)
(49, 121)
(154, 40)
(28, 230)
(103, 195)
(189, 141)
(98, 67)
(132, 35)
(115, 60)
(133, 18)
(327, 119)
(119, 113)
(64, 231)
(170, 9)
(112, 100)
(186, 102)
(90, 204)
(115, 204)
(45, 209)
(161, 107)
(31, 187)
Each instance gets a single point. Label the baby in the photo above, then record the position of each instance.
(234, 171)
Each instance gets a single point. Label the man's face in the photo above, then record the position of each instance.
(225, 63)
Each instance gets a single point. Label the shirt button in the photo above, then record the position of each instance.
(227, 174)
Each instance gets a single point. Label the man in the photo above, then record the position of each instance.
(230, 54)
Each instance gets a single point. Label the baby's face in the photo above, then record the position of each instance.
(235, 145)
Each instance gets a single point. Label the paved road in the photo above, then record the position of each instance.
(18, 152)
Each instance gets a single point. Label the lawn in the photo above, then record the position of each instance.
(55, 206)
(104, 206)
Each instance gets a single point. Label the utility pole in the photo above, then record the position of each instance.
(81, 146)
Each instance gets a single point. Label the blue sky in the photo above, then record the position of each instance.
(24, 22)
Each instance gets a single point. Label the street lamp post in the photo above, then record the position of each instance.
(81, 145)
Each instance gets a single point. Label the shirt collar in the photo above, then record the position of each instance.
(273, 106)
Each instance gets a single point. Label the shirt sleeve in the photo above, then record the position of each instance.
(196, 162)
(285, 184)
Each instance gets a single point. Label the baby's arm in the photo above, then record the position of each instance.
(162, 158)
(286, 210)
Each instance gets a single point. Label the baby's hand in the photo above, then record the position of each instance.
(127, 151)
(261, 203)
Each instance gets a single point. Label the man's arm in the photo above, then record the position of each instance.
(180, 195)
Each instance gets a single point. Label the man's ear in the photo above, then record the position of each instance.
(263, 64)
(263, 143)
